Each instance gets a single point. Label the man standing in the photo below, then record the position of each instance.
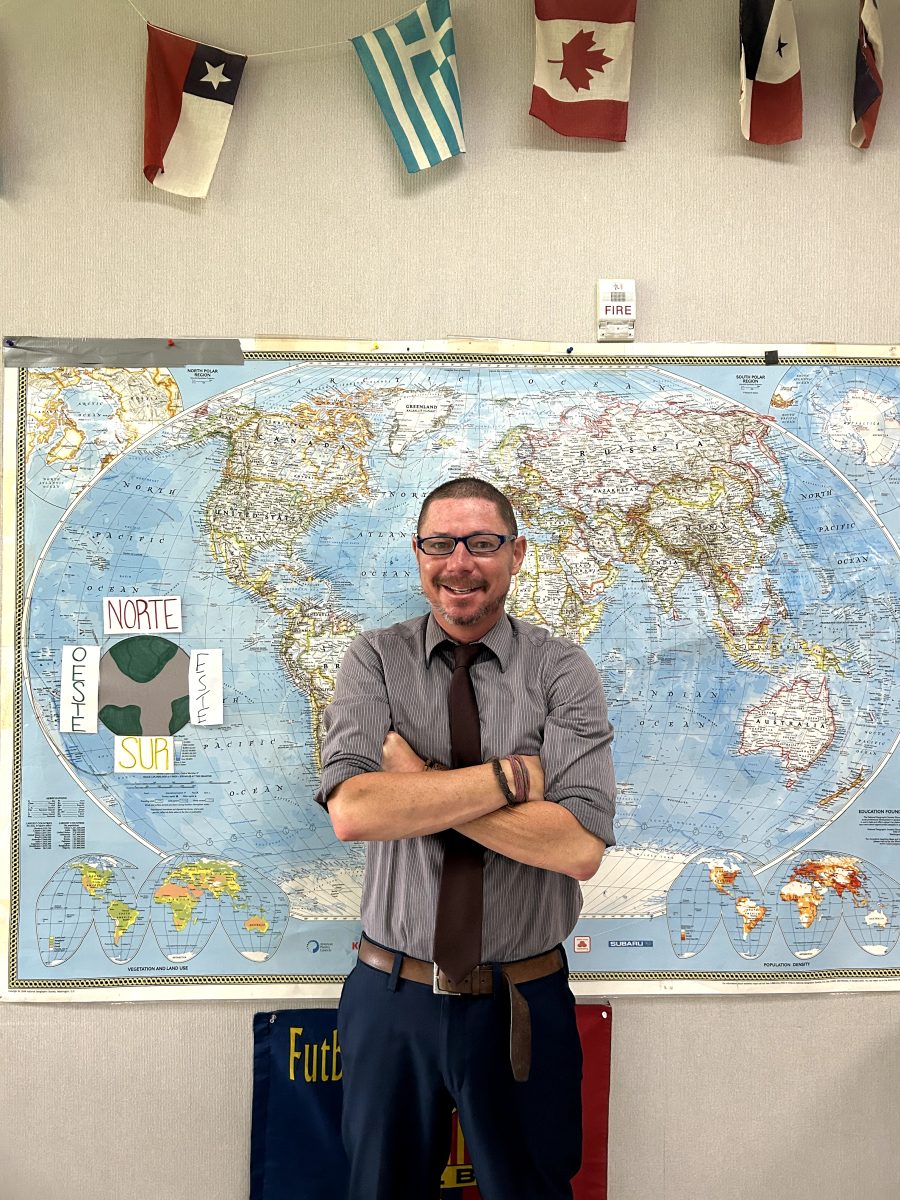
(471, 751)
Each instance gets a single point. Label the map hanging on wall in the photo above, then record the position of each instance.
(719, 534)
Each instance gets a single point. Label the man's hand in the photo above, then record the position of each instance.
(398, 756)
(368, 807)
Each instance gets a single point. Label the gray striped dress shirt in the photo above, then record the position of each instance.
(537, 694)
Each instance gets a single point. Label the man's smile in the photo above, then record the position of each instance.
(462, 591)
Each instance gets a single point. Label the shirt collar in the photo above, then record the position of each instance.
(498, 640)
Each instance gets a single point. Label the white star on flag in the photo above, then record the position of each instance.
(215, 75)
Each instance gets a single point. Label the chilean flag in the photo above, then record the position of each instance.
(191, 90)
(868, 86)
(582, 66)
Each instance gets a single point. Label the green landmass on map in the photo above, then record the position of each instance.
(142, 658)
(124, 721)
(181, 713)
(123, 916)
(93, 880)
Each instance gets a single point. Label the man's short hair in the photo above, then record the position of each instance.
(470, 488)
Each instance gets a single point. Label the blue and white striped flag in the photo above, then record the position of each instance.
(411, 65)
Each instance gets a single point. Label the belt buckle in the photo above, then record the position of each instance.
(436, 983)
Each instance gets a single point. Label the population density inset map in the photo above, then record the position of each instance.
(722, 538)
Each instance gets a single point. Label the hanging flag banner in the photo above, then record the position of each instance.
(868, 87)
(582, 66)
(771, 95)
(298, 1095)
(191, 89)
(411, 66)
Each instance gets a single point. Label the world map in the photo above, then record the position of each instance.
(720, 537)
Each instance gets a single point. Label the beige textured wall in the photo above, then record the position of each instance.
(313, 228)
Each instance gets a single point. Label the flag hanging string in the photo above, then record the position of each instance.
(270, 53)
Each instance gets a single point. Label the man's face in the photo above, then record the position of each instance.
(467, 593)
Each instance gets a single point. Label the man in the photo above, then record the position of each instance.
(531, 817)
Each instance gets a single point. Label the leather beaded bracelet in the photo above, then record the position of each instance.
(432, 764)
(507, 791)
(522, 778)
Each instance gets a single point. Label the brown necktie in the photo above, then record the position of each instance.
(460, 906)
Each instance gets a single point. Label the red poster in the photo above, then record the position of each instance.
(595, 1028)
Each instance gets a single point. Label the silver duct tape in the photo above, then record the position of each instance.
(121, 352)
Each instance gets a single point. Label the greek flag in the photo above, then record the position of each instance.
(411, 65)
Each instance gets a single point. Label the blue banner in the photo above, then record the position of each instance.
(295, 1143)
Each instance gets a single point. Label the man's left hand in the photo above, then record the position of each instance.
(398, 756)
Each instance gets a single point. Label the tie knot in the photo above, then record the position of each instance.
(464, 656)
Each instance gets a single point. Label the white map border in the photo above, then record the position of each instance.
(473, 349)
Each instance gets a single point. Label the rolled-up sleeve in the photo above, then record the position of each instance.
(577, 749)
(356, 721)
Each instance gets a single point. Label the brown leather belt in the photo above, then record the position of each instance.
(479, 982)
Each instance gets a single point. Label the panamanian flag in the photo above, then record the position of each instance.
(411, 67)
(771, 95)
(868, 85)
(191, 89)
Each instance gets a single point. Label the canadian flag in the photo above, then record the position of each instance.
(191, 89)
(582, 66)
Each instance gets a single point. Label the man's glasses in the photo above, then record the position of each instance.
(443, 544)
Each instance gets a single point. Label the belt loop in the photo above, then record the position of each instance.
(565, 961)
(394, 977)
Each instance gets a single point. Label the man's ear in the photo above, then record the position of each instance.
(520, 545)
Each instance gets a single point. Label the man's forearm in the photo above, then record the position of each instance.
(383, 806)
(541, 834)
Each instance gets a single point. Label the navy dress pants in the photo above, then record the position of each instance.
(409, 1056)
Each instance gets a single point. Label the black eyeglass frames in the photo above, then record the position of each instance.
(442, 545)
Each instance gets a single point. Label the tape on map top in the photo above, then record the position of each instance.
(121, 352)
(770, 358)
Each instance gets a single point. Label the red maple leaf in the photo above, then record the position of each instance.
(580, 57)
